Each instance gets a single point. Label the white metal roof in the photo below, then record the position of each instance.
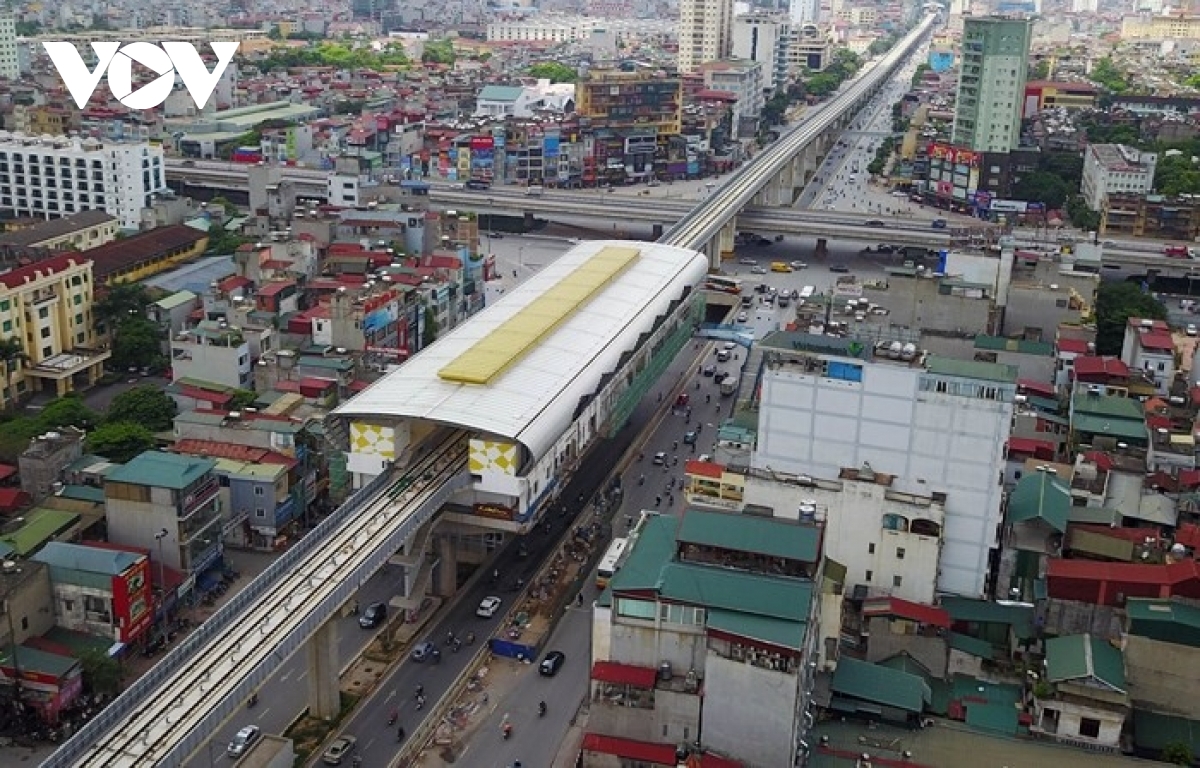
(533, 401)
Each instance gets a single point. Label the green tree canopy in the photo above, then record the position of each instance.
(1177, 753)
(101, 672)
(1116, 302)
(1177, 175)
(1042, 187)
(121, 302)
(120, 441)
(137, 345)
(338, 55)
(1106, 73)
(553, 71)
(147, 405)
(68, 411)
(438, 52)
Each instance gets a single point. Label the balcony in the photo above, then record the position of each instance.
(197, 497)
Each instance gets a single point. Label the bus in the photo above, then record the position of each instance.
(807, 292)
(723, 284)
(611, 562)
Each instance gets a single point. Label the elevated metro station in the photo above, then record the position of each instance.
(531, 382)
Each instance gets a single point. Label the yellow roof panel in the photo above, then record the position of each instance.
(494, 353)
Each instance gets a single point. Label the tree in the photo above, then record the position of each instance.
(1081, 216)
(101, 672)
(430, 333)
(553, 71)
(1116, 302)
(147, 405)
(1177, 753)
(1041, 187)
(12, 357)
(438, 52)
(121, 302)
(67, 411)
(120, 441)
(1068, 166)
(136, 345)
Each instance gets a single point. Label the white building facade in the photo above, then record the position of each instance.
(764, 38)
(1115, 169)
(10, 65)
(51, 176)
(705, 32)
(937, 425)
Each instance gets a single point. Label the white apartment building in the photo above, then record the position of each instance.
(1115, 169)
(805, 11)
(889, 541)
(50, 176)
(937, 425)
(705, 32)
(744, 79)
(569, 29)
(764, 38)
(215, 352)
(10, 66)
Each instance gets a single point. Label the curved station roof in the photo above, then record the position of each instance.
(520, 368)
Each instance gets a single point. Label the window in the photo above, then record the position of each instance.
(870, 575)
(896, 581)
(45, 333)
(899, 553)
(258, 490)
(871, 548)
(1089, 727)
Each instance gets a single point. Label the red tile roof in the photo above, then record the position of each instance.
(44, 268)
(906, 609)
(1093, 365)
(232, 451)
(275, 288)
(1043, 449)
(649, 752)
(1188, 535)
(624, 674)
(703, 469)
(12, 499)
(233, 282)
(207, 395)
(1157, 341)
(1101, 459)
(1034, 385)
(144, 246)
(1076, 346)
(1154, 325)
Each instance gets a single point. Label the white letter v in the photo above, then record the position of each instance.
(79, 80)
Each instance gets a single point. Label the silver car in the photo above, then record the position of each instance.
(244, 739)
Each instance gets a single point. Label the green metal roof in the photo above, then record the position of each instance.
(77, 557)
(83, 493)
(971, 645)
(1087, 658)
(1019, 617)
(1040, 496)
(79, 642)
(500, 93)
(162, 470)
(768, 536)
(785, 634)
(1110, 406)
(649, 550)
(750, 593)
(1096, 515)
(972, 369)
(33, 660)
(1154, 731)
(1170, 621)
(1019, 346)
(175, 300)
(1110, 426)
(881, 685)
(41, 525)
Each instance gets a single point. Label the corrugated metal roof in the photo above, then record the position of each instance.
(534, 400)
(1084, 657)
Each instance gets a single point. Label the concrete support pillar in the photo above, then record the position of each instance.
(712, 249)
(324, 690)
(656, 231)
(447, 574)
(727, 238)
(529, 221)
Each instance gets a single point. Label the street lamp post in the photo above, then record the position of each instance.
(162, 578)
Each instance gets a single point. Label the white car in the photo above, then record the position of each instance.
(799, 265)
(244, 739)
(488, 607)
(1191, 329)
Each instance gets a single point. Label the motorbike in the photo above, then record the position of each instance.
(393, 717)
(252, 700)
(542, 709)
(506, 730)
(470, 638)
(400, 734)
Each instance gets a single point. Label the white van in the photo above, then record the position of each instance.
(535, 191)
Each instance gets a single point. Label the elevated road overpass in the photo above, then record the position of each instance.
(630, 308)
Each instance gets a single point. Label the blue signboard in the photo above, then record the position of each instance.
(551, 147)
